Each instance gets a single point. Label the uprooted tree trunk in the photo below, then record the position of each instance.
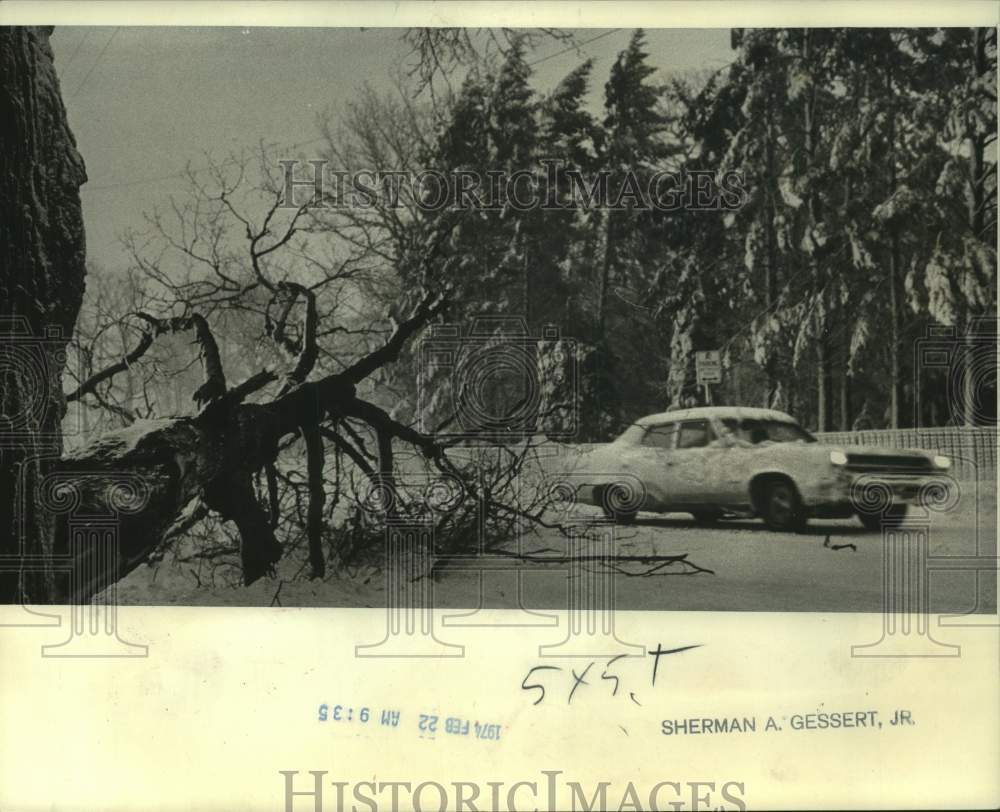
(129, 491)
(164, 465)
(140, 484)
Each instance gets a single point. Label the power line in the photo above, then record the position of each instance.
(79, 87)
(184, 172)
(172, 176)
(576, 47)
(79, 45)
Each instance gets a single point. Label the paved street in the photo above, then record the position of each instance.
(757, 569)
(754, 569)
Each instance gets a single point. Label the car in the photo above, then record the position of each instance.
(722, 460)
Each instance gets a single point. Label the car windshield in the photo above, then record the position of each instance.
(763, 431)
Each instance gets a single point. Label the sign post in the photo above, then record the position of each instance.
(708, 369)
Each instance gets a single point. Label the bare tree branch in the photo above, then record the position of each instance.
(308, 349)
(317, 496)
(429, 307)
(106, 374)
(215, 379)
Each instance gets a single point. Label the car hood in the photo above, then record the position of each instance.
(874, 450)
(820, 449)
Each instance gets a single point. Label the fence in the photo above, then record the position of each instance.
(973, 450)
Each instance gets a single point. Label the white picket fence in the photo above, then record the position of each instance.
(972, 450)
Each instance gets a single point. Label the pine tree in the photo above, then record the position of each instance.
(634, 128)
(956, 283)
(569, 141)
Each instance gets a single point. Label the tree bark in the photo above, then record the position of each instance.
(317, 498)
(977, 222)
(895, 375)
(769, 214)
(42, 273)
(824, 375)
(846, 418)
(605, 280)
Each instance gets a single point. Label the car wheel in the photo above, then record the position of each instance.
(617, 515)
(781, 506)
(891, 517)
(707, 516)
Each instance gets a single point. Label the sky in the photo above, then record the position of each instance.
(145, 102)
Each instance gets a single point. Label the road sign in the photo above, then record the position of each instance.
(708, 366)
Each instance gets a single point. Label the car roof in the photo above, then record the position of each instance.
(718, 412)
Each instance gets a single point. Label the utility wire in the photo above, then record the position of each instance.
(181, 174)
(79, 87)
(576, 47)
(184, 172)
(79, 45)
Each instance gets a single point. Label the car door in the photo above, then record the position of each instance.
(742, 457)
(694, 464)
(656, 467)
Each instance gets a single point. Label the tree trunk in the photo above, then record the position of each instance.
(895, 376)
(824, 387)
(605, 281)
(142, 478)
(168, 463)
(846, 417)
(977, 222)
(824, 374)
(41, 288)
(770, 269)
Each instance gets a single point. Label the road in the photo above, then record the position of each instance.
(753, 569)
(834, 566)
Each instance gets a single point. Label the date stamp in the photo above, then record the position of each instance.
(428, 725)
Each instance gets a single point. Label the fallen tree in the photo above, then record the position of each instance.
(102, 509)
(213, 456)
(155, 477)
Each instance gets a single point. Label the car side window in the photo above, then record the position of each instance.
(734, 428)
(695, 434)
(660, 436)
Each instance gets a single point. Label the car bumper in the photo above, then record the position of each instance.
(850, 493)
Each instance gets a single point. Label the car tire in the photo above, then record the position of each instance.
(781, 506)
(707, 516)
(891, 517)
(617, 516)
